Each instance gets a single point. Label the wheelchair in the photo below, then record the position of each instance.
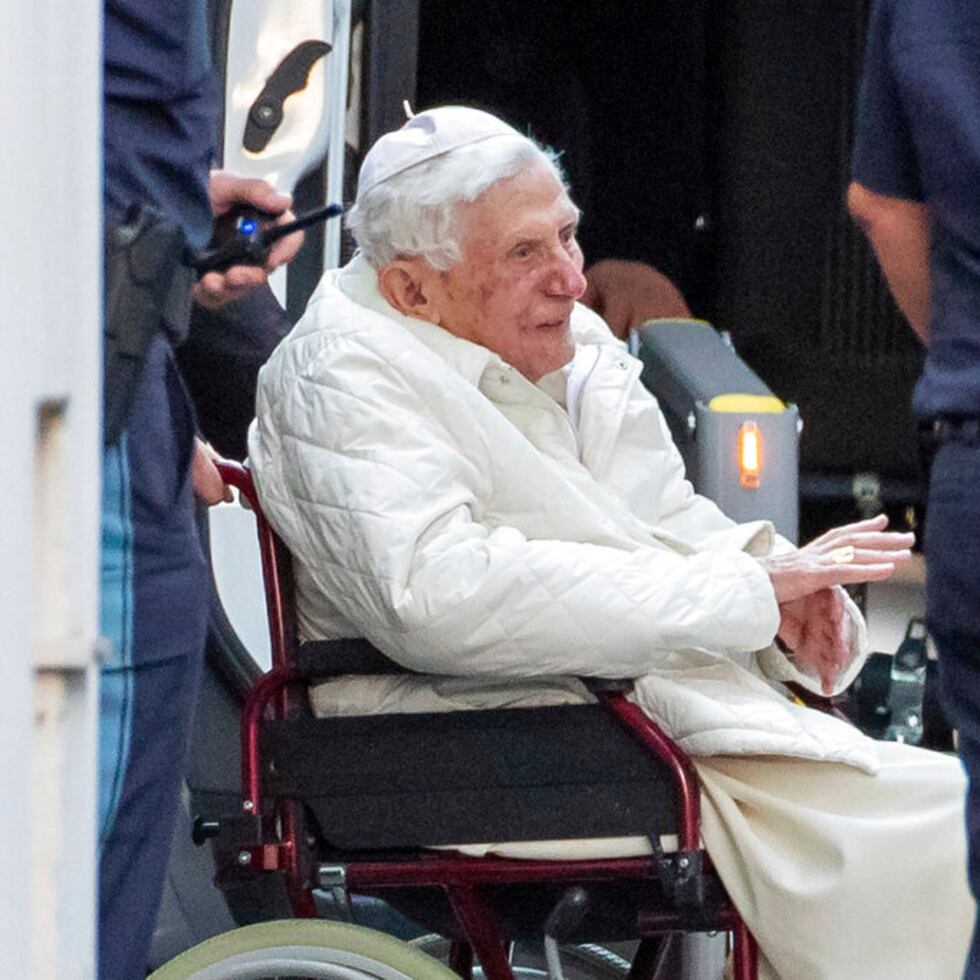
(373, 806)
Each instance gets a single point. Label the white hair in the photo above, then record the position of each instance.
(413, 213)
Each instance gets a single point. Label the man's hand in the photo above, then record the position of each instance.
(625, 294)
(205, 477)
(861, 552)
(226, 190)
(817, 630)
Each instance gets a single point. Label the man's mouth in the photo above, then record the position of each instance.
(554, 325)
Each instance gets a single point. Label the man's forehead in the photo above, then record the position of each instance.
(527, 222)
(514, 207)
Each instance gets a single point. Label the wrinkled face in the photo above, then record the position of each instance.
(520, 274)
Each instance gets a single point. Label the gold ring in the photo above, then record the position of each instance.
(843, 556)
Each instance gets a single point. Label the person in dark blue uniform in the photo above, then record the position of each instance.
(916, 191)
(160, 117)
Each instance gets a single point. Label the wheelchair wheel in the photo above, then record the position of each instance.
(307, 948)
(584, 961)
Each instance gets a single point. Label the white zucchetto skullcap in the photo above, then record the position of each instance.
(426, 135)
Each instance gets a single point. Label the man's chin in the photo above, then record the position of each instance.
(551, 356)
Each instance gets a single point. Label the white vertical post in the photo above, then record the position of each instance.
(336, 121)
(50, 336)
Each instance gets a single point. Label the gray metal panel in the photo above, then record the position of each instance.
(686, 363)
(713, 466)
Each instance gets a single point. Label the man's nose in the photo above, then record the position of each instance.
(566, 276)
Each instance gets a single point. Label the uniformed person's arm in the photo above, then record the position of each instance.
(898, 230)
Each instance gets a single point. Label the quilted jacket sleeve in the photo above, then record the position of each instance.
(382, 499)
(646, 469)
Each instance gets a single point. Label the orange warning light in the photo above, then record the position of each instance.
(749, 455)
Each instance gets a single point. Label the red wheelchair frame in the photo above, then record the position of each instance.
(278, 838)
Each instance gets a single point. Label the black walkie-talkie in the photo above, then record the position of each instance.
(245, 235)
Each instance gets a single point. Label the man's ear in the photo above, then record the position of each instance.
(407, 285)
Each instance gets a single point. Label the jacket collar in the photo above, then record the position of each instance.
(358, 281)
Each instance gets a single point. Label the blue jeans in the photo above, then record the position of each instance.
(154, 604)
(953, 615)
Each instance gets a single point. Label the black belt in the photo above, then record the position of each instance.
(937, 432)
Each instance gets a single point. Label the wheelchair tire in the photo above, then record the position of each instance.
(307, 948)
(584, 961)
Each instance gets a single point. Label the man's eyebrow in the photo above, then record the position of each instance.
(572, 216)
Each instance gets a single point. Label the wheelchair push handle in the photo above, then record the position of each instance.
(239, 476)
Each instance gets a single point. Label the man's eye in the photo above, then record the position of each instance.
(523, 251)
(568, 235)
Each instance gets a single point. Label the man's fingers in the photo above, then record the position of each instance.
(873, 556)
(890, 541)
(854, 574)
(837, 605)
(244, 277)
(798, 574)
(837, 535)
(215, 289)
(208, 290)
(284, 251)
(832, 659)
(831, 638)
(817, 628)
(825, 600)
(792, 586)
(790, 630)
(883, 540)
(205, 477)
(817, 659)
(226, 190)
(876, 523)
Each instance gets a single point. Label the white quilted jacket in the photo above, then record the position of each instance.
(461, 519)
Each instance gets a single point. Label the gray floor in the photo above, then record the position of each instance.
(891, 604)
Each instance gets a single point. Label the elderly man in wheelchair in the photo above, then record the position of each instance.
(468, 473)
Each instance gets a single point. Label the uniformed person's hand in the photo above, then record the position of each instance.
(205, 478)
(626, 294)
(226, 190)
